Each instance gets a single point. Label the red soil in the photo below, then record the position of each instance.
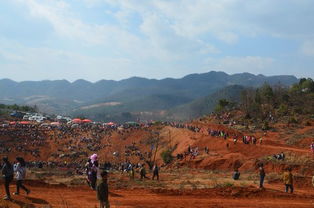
(82, 197)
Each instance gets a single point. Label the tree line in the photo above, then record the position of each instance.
(273, 102)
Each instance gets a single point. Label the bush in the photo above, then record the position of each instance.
(265, 126)
(166, 156)
(292, 120)
(283, 110)
(224, 185)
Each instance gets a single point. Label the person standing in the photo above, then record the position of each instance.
(155, 172)
(93, 171)
(288, 180)
(20, 172)
(312, 147)
(261, 176)
(236, 174)
(103, 191)
(7, 174)
(131, 171)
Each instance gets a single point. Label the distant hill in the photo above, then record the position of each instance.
(133, 95)
(205, 105)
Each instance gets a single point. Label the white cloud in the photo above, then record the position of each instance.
(45, 63)
(228, 19)
(168, 35)
(59, 15)
(307, 48)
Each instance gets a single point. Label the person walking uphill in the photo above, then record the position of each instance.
(103, 192)
(20, 173)
(7, 174)
(288, 180)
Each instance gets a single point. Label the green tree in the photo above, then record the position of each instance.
(267, 93)
(222, 104)
(307, 85)
(258, 98)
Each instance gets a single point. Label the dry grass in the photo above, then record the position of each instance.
(291, 159)
(273, 177)
(295, 139)
(177, 179)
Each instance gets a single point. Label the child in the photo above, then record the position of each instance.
(102, 191)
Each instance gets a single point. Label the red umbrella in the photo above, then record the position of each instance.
(12, 123)
(86, 121)
(25, 122)
(77, 120)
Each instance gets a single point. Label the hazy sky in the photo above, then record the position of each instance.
(116, 39)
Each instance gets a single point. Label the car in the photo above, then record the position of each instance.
(17, 114)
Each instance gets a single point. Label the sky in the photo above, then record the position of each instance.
(118, 39)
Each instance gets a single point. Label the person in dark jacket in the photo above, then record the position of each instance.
(7, 174)
(103, 192)
(143, 172)
(236, 174)
(20, 172)
(261, 176)
(155, 172)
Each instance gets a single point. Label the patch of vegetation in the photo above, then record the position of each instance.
(252, 177)
(294, 139)
(224, 185)
(185, 184)
(272, 103)
(16, 107)
(291, 160)
(273, 177)
(5, 110)
(166, 156)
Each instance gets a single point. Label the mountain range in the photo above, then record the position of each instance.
(133, 97)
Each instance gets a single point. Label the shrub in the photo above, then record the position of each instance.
(265, 126)
(283, 110)
(224, 185)
(166, 156)
(292, 120)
